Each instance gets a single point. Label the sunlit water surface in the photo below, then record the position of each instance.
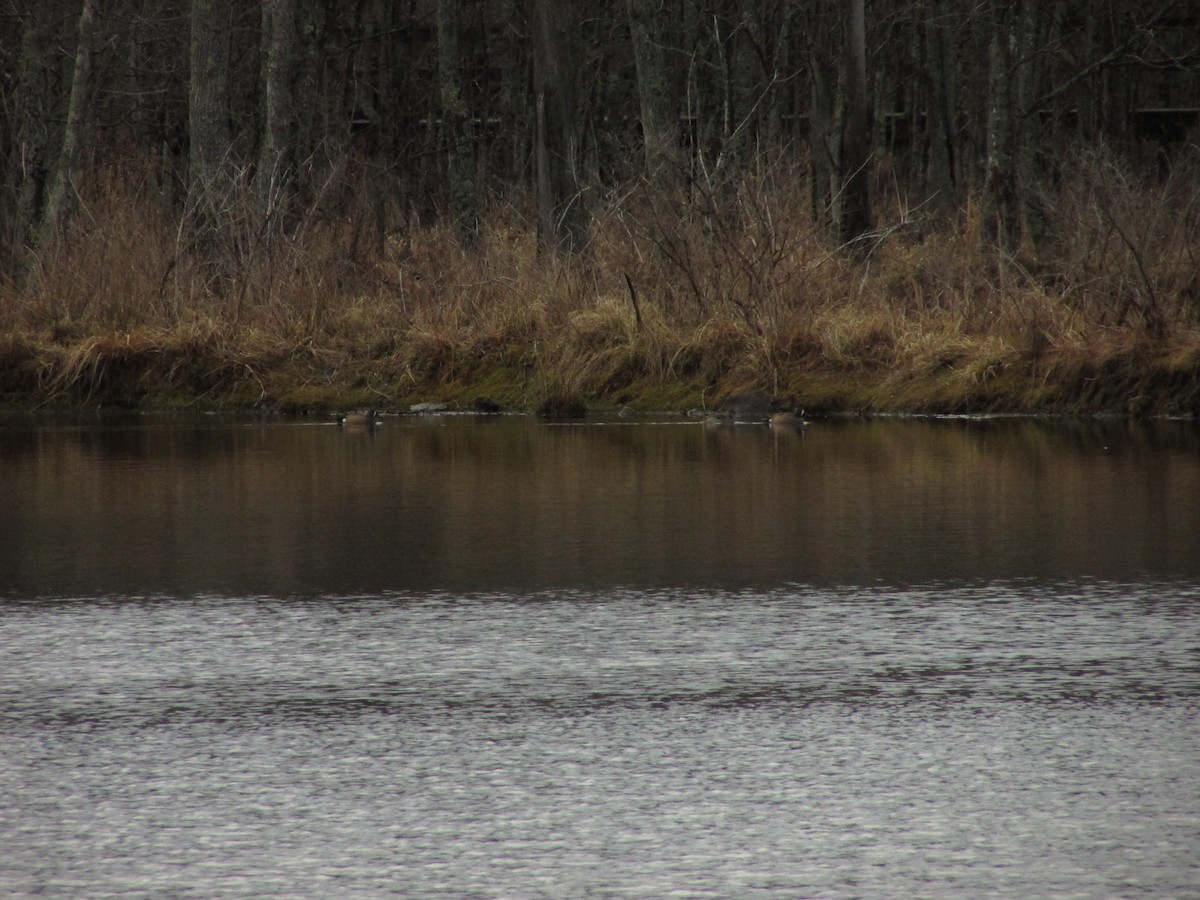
(818, 703)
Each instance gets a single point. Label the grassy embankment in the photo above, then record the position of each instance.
(674, 306)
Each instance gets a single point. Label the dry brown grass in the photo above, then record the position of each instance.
(735, 288)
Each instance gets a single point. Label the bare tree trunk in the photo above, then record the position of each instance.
(1001, 209)
(779, 102)
(27, 173)
(856, 149)
(516, 105)
(59, 199)
(741, 87)
(824, 137)
(660, 133)
(823, 146)
(1027, 125)
(939, 107)
(456, 130)
(276, 154)
(208, 102)
(562, 218)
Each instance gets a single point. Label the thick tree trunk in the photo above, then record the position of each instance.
(562, 218)
(660, 132)
(1010, 208)
(823, 145)
(820, 32)
(456, 129)
(742, 85)
(29, 159)
(1028, 123)
(60, 197)
(939, 107)
(208, 104)
(1001, 210)
(276, 158)
(856, 149)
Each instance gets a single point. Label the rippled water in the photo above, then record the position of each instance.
(958, 737)
(947, 742)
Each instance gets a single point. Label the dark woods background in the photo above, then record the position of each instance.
(279, 112)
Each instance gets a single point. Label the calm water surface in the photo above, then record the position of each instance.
(512, 659)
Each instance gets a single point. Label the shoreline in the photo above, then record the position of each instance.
(169, 372)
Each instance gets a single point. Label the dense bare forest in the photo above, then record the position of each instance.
(887, 205)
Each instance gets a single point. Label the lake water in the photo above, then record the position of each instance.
(507, 658)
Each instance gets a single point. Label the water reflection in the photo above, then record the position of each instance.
(145, 505)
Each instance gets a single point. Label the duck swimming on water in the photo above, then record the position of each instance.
(793, 419)
(365, 419)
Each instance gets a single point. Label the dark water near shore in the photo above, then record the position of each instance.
(512, 659)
